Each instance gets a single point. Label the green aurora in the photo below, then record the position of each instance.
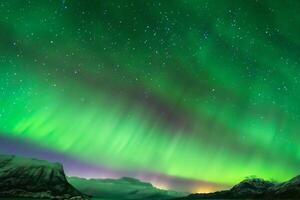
(196, 89)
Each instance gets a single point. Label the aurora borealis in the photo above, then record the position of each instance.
(191, 95)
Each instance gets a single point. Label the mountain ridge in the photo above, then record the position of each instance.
(125, 188)
(34, 178)
(254, 188)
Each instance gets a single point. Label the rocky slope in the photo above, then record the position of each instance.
(23, 177)
(289, 189)
(124, 188)
(255, 189)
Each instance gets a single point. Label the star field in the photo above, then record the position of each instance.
(191, 95)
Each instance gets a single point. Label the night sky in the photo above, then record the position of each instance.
(191, 95)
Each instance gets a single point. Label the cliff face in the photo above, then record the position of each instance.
(23, 177)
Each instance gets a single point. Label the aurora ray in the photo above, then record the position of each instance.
(204, 92)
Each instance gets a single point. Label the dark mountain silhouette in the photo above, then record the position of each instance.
(124, 188)
(32, 178)
(255, 189)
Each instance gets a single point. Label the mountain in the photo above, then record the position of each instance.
(32, 178)
(255, 189)
(124, 188)
(288, 189)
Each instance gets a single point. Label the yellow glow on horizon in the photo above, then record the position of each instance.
(206, 189)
